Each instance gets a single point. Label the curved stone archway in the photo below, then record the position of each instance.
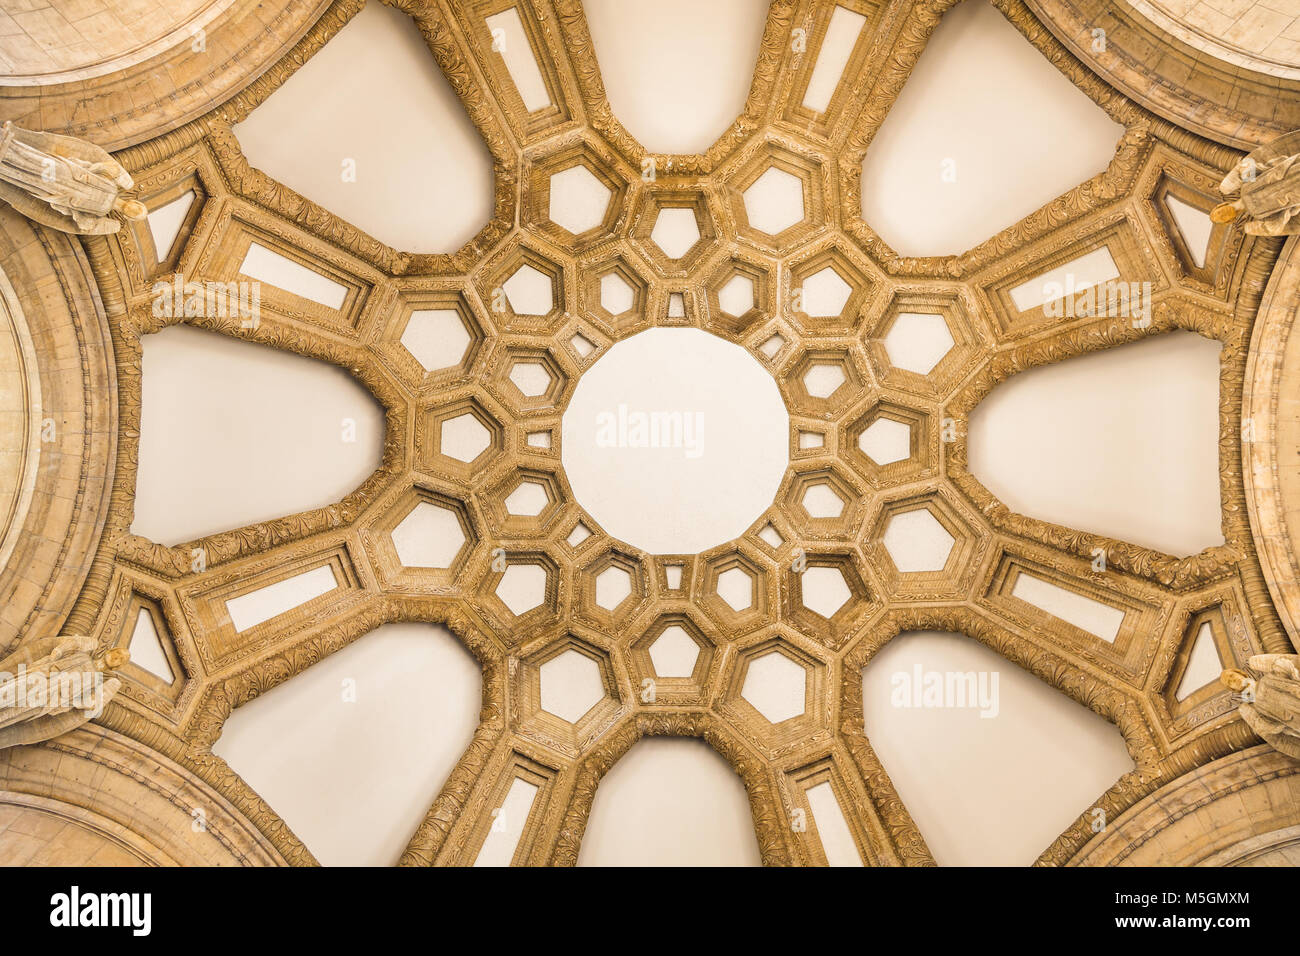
(144, 72)
(1271, 432)
(1235, 103)
(95, 797)
(1242, 809)
(65, 433)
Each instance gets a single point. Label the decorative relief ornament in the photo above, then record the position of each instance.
(1266, 187)
(831, 517)
(53, 685)
(1270, 702)
(63, 182)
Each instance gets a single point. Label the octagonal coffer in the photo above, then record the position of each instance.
(823, 379)
(614, 585)
(830, 288)
(823, 500)
(827, 598)
(611, 587)
(774, 201)
(617, 294)
(735, 589)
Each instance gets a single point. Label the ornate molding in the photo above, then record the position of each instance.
(1124, 681)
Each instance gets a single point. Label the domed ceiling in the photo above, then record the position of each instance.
(541, 433)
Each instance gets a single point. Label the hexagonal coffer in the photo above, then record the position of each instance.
(824, 501)
(734, 590)
(923, 546)
(423, 541)
(524, 290)
(611, 587)
(923, 341)
(459, 439)
(777, 693)
(614, 293)
(776, 198)
(519, 593)
(823, 383)
(890, 443)
(740, 297)
(527, 380)
(567, 693)
(524, 502)
(828, 292)
(440, 332)
(827, 596)
(576, 196)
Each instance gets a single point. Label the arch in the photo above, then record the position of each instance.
(1123, 441)
(71, 425)
(993, 764)
(348, 752)
(729, 33)
(1239, 810)
(212, 458)
(95, 790)
(670, 802)
(240, 41)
